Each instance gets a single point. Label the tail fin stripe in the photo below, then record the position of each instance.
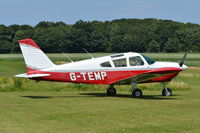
(29, 42)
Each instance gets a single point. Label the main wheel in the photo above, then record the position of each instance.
(137, 93)
(111, 92)
(167, 92)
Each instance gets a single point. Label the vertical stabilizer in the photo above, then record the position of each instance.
(34, 57)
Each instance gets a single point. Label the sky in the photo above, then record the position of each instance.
(32, 12)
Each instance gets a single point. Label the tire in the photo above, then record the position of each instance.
(137, 93)
(111, 92)
(167, 92)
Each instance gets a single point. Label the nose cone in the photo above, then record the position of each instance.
(184, 67)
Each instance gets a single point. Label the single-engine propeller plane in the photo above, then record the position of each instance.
(118, 69)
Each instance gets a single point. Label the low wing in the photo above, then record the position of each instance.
(25, 75)
(164, 74)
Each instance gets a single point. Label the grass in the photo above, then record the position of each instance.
(67, 108)
(94, 112)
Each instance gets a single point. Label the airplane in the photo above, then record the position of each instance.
(119, 69)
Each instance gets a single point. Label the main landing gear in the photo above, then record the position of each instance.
(111, 91)
(136, 92)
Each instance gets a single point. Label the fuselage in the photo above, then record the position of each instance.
(121, 68)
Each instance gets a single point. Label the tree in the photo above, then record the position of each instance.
(172, 45)
(19, 35)
(5, 39)
(46, 24)
(153, 46)
(121, 35)
(5, 47)
(190, 38)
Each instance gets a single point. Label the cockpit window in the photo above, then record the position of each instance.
(105, 64)
(136, 61)
(148, 59)
(120, 62)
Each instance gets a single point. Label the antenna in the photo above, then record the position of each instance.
(67, 57)
(88, 53)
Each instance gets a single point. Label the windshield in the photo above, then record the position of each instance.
(148, 59)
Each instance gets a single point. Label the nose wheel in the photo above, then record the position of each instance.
(167, 92)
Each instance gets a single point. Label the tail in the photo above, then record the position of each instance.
(34, 57)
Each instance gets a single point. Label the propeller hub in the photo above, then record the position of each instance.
(184, 67)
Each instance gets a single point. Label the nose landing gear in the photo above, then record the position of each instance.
(166, 91)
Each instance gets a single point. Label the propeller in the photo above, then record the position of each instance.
(182, 60)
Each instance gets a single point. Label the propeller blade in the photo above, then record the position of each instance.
(182, 60)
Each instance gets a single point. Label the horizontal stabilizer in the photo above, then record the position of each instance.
(24, 75)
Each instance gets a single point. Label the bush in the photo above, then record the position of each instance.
(11, 84)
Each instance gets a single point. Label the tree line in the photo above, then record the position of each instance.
(121, 35)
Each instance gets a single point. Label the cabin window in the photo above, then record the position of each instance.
(120, 62)
(136, 61)
(105, 64)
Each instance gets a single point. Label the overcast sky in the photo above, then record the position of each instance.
(69, 11)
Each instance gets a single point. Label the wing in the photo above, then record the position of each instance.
(156, 75)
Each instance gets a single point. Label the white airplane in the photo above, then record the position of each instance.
(118, 69)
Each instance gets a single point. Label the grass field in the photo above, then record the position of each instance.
(50, 107)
